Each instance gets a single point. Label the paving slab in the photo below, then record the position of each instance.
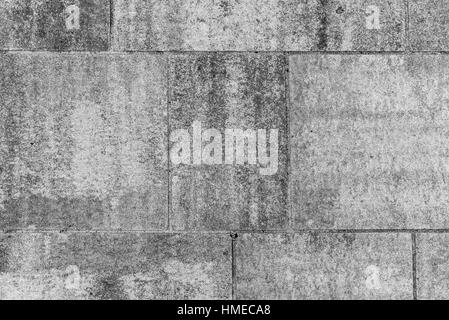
(60, 25)
(221, 92)
(429, 26)
(107, 266)
(267, 25)
(432, 266)
(323, 266)
(83, 140)
(369, 138)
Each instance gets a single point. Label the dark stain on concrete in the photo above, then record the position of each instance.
(42, 212)
(316, 242)
(3, 258)
(349, 239)
(109, 287)
(323, 25)
(43, 26)
(340, 10)
(318, 205)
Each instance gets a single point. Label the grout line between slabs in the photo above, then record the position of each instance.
(226, 232)
(289, 140)
(169, 186)
(407, 26)
(233, 266)
(414, 270)
(402, 52)
(111, 21)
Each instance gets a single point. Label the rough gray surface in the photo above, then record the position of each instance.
(429, 25)
(229, 91)
(323, 266)
(54, 25)
(356, 209)
(83, 141)
(369, 141)
(433, 266)
(258, 25)
(114, 266)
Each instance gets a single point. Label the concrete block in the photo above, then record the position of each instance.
(432, 266)
(83, 141)
(269, 25)
(111, 266)
(225, 92)
(54, 25)
(429, 26)
(323, 266)
(369, 141)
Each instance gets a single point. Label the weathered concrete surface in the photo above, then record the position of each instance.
(324, 266)
(114, 266)
(369, 141)
(432, 266)
(259, 25)
(54, 25)
(429, 26)
(229, 91)
(83, 141)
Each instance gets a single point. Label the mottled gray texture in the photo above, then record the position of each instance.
(41, 24)
(229, 91)
(257, 25)
(323, 266)
(114, 266)
(369, 141)
(429, 25)
(83, 141)
(432, 264)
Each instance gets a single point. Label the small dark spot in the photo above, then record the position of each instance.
(224, 5)
(65, 229)
(349, 239)
(340, 10)
(234, 235)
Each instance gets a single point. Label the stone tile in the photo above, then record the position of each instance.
(432, 266)
(259, 25)
(54, 25)
(429, 26)
(369, 141)
(228, 91)
(83, 141)
(324, 266)
(114, 266)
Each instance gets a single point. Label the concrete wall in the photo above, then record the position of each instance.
(91, 207)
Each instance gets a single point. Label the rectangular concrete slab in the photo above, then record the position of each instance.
(429, 26)
(323, 266)
(369, 141)
(83, 141)
(109, 266)
(54, 25)
(268, 25)
(228, 91)
(432, 265)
